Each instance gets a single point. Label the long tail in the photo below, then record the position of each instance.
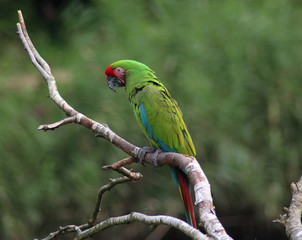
(184, 189)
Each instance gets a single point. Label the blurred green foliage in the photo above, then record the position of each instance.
(233, 66)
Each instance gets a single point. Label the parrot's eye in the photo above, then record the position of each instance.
(119, 70)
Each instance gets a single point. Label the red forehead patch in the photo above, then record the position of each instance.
(109, 71)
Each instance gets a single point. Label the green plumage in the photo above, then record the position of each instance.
(163, 113)
(158, 115)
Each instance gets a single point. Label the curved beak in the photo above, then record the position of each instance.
(113, 81)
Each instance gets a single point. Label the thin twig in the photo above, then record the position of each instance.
(126, 172)
(121, 163)
(55, 125)
(102, 190)
(65, 230)
(97, 209)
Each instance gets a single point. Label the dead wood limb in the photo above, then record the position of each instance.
(121, 163)
(291, 219)
(150, 220)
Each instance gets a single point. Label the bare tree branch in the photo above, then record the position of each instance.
(202, 191)
(102, 190)
(65, 230)
(112, 183)
(292, 218)
(55, 125)
(128, 176)
(117, 165)
(150, 220)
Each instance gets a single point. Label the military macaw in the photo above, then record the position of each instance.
(158, 115)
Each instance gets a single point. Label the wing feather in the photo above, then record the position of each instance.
(161, 120)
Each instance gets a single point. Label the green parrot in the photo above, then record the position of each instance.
(158, 115)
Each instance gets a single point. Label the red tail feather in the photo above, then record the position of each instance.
(186, 196)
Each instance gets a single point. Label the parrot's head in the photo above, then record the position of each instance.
(119, 73)
(115, 77)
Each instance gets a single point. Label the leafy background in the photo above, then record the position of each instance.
(233, 66)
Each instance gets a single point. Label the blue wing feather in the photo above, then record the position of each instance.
(145, 121)
(161, 144)
(149, 130)
(178, 174)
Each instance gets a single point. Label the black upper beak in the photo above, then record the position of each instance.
(114, 81)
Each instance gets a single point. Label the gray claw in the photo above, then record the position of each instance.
(154, 157)
(144, 150)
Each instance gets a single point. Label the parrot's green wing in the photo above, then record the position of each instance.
(161, 120)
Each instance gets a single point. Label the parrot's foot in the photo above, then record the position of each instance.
(154, 157)
(146, 150)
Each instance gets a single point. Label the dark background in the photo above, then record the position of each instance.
(233, 66)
